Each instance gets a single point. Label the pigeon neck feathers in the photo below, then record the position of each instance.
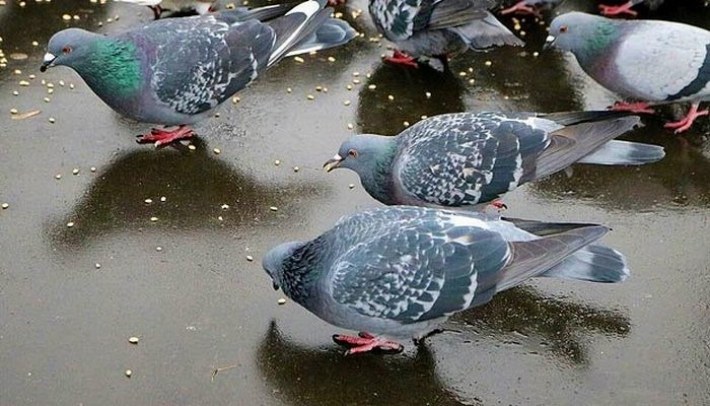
(378, 181)
(111, 68)
(299, 270)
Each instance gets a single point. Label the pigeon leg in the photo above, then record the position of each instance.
(638, 107)
(625, 8)
(157, 11)
(688, 120)
(334, 3)
(366, 342)
(400, 58)
(522, 8)
(498, 205)
(163, 137)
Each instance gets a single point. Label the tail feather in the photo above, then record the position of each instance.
(570, 144)
(332, 33)
(568, 118)
(302, 21)
(487, 32)
(624, 153)
(594, 263)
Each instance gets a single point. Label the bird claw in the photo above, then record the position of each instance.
(522, 8)
(163, 137)
(400, 58)
(366, 342)
(498, 205)
(610, 11)
(687, 121)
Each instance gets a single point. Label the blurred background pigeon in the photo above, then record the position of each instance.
(398, 272)
(626, 8)
(464, 159)
(177, 71)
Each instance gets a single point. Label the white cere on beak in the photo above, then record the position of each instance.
(49, 57)
(337, 157)
(550, 39)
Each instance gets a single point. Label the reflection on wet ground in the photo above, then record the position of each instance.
(204, 301)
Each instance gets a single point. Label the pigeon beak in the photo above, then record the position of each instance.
(549, 42)
(333, 163)
(276, 287)
(48, 62)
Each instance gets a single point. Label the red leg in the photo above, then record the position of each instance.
(163, 137)
(625, 8)
(638, 107)
(400, 58)
(157, 11)
(366, 342)
(498, 205)
(688, 120)
(522, 8)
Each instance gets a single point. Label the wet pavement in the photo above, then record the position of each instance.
(210, 328)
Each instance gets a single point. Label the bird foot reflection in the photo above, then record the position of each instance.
(637, 107)
(688, 120)
(164, 137)
(400, 58)
(522, 8)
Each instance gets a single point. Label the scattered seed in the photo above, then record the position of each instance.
(163, 199)
(97, 265)
(15, 93)
(158, 249)
(66, 17)
(5, 206)
(250, 258)
(191, 147)
(310, 97)
(133, 340)
(17, 72)
(50, 91)
(18, 56)
(61, 82)
(148, 201)
(92, 169)
(50, 85)
(219, 218)
(70, 224)
(536, 54)
(24, 83)
(372, 87)
(216, 151)
(153, 219)
(462, 73)
(351, 186)
(13, 111)
(58, 176)
(235, 99)
(471, 81)
(281, 301)
(224, 207)
(296, 168)
(356, 74)
(129, 373)
(277, 162)
(346, 102)
(331, 59)
(289, 90)
(350, 126)
(356, 81)
(488, 63)
(298, 59)
(424, 117)
(390, 97)
(35, 43)
(75, 171)
(71, 85)
(428, 95)
(319, 88)
(406, 123)
(349, 87)
(47, 99)
(52, 120)
(274, 208)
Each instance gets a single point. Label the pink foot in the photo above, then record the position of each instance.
(609, 11)
(498, 205)
(163, 137)
(366, 342)
(688, 120)
(400, 58)
(522, 8)
(638, 107)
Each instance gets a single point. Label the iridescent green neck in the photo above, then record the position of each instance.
(112, 67)
(378, 183)
(598, 42)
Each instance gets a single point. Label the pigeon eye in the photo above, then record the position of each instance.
(66, 50)
(352, 153)
(563, 29)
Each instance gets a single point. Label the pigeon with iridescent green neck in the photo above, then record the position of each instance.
(465, 159)
(177, 71)
(399, 272)
(650, 61)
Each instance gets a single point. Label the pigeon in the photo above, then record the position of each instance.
(176, 71)
(422, 29)
(531, 7)
(656, 62)
(183, 8)
(626, 7)
(400, 271)
(466, 159)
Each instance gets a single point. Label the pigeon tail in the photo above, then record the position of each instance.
(537, 257)
(594, 263)
(332, 33)
(298, 24)
(624, 153)
(481, 34)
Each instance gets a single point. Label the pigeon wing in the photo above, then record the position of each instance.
(418, 270)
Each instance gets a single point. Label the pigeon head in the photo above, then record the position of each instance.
(362, 153)
(68, 48)
(273, 262)
(580, 33)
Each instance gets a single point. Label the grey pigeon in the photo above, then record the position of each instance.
(626, 7)
(183, 8)
(438, 28)
(655, 62)
(532, 7)
(464, 159)
(177, 71)
(398, 272)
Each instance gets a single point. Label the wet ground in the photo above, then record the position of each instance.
(70, 297)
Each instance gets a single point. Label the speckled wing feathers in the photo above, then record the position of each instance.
(414, 269)
(462, 159)
(224, 58)
(400, 19)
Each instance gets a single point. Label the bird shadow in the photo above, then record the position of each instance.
(554, 327)
(199, 192)
(308, 376)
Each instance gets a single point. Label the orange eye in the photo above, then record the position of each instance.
(352, 153)
(563, 29)
(66, 50)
